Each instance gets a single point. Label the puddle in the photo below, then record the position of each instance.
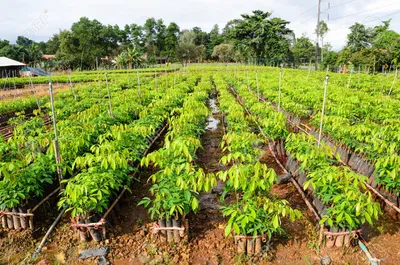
(214, 108)
(212, 123)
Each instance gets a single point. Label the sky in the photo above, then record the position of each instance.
(39, 20)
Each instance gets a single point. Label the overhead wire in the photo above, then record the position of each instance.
(305, 12)
(340, 4)
(365, 11)
(373, 18)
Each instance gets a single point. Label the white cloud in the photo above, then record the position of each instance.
(19, 15)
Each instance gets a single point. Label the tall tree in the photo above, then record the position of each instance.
(359, 37)
(154, 36)
(52, 45)
(160, 37)
(15, 52)
(187, 51)
(132, 37)
(4, 43)
(24, 41)
(303, 50)
(261, 36)
(215, 39)
(171, 39)
(201, 37)
(224, 52)
(330, 60)
(322, 30)
(87, 40)
(34, 54)
(150, 33)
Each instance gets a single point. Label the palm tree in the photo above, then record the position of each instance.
(121, 61)
(133, 58)
(34, 53)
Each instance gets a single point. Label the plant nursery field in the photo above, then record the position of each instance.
(206, 164)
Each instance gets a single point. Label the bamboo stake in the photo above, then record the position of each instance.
(394, 81)
(323, 107)
(258, 90)
(280, 89)
(284, 170)
(39, 248)
(109, 98)
(368, 186)
(70, 84)
(248, 80)
(309, 71)
(140, 94)
(381, 196)
(348, 81)
(44, 200)
(56, 147)
(155, 79)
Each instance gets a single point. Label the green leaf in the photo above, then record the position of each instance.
(228, 229)
(275, 221)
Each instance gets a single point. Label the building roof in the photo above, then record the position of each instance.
(4, 62)
(36, 71)
(48, 56)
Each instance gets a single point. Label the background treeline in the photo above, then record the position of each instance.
(252, 38)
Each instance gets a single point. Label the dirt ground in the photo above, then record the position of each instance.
(38, 90)
(132, 242)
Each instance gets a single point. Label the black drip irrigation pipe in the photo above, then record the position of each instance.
(39, 248)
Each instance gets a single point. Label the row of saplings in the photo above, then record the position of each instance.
(256, 214)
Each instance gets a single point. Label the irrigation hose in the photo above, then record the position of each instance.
(39, 248)
(373, 261)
